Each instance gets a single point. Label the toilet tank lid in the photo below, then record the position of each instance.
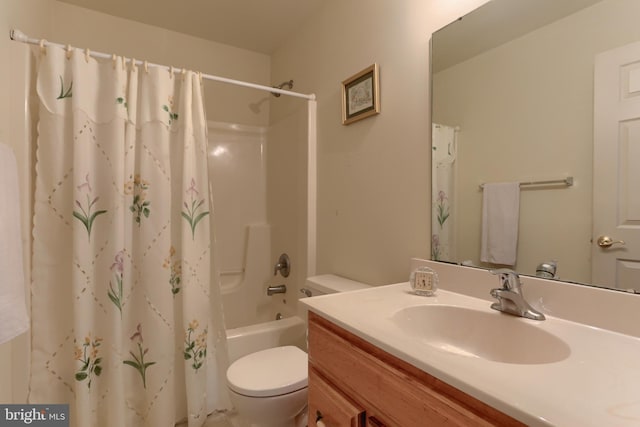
(270, 372)
(330, 283)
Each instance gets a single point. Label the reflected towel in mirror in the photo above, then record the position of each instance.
(500, 215)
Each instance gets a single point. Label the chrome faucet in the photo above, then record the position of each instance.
(510, 297)
(278, 289)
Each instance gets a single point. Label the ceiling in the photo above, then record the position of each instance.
(495, 23)
(257, 25)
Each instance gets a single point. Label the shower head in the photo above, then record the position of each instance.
(289, 85)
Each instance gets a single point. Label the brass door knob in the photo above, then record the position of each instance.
(606, 242)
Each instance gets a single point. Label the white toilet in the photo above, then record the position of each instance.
(269, 388)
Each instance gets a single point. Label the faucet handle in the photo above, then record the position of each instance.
(509, 279)
(283, 266)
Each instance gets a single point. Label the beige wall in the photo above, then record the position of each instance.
(526, 113)
(66, 24)
(374, 175)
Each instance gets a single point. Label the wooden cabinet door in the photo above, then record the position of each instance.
(374, 422)
(330, 406)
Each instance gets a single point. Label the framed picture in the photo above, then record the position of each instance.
(361, 95)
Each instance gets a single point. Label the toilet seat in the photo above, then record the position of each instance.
(270, 372)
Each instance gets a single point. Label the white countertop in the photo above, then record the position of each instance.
(598, 384)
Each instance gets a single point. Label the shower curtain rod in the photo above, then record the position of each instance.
(21, 37)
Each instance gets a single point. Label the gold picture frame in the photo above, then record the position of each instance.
(361, 95)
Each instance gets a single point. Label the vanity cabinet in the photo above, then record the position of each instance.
(353, 383)
(330, 405)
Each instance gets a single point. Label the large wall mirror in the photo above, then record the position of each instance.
(518, 87)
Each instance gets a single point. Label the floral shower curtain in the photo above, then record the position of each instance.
(442, 192)
(122, 320)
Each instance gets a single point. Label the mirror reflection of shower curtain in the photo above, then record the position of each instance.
(443, 192)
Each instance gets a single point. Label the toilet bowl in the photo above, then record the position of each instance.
(268, 388)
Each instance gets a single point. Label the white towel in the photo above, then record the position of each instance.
(500, 215)
(13, 310)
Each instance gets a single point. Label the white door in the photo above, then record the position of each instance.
(616, 168)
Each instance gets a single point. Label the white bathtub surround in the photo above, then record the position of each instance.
(237, 171)
(243, 293)
(238, 174)
(121, 277)
(595, 382)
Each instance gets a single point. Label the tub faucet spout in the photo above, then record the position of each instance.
(278, 289)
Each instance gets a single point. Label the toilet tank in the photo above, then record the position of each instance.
(330, 284)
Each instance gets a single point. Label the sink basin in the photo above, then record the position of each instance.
(487, 335)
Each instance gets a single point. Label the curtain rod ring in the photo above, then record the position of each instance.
(87, 54)
(115, 60)
(133, 64)
(146, 67)
(171, 71)
(184, 73)
(42, 48)
(69, 51)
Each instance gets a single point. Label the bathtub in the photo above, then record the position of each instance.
(261, 336)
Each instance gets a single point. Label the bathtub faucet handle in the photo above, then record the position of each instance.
(283, 266)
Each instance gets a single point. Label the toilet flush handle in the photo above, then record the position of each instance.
(307, 293)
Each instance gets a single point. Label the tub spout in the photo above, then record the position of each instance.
(279, 289)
